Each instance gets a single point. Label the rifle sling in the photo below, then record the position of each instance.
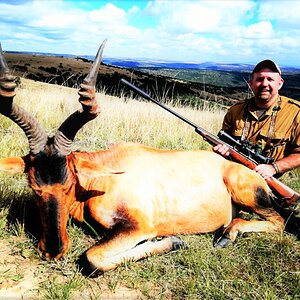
(270, 134)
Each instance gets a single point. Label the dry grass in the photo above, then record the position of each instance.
(256, 267)
(120, 120)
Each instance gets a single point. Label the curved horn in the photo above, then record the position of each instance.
(90, 110)
(91, 78)
(36, 136)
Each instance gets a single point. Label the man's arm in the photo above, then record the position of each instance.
(281, 166)
(289, 162)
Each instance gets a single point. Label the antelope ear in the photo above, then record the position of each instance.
(12, 165)
(92, 169)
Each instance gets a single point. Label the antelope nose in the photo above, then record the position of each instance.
(52, 252)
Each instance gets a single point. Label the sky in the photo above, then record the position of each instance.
(225, 31)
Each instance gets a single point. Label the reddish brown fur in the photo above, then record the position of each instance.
(139, 193)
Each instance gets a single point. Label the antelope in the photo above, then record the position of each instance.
(141, 196)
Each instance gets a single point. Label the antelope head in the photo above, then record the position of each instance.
(48, 164)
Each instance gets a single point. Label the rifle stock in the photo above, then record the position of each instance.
(279, 189)
(288, 195)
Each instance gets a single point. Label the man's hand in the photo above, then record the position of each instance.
(221, 149)
(266, 171)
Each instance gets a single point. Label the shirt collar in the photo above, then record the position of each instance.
(252, 108)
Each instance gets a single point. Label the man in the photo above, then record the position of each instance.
(267, 119)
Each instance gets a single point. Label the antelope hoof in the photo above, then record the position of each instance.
(222, 242)
(87, 268)
(220, 239)
(178, 243)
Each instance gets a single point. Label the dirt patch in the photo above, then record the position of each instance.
(22, 277)
(103, 292)
(17, 275)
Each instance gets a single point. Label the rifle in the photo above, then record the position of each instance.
(237, 150)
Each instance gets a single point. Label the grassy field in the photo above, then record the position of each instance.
(257, 266)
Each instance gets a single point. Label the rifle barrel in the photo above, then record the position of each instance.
(147, 96)
(277, 186)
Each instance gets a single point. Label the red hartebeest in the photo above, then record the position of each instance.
(141, 195)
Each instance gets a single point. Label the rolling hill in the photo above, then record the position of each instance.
(219, 83)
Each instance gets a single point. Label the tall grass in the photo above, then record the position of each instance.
(120, 120)
(257, 266)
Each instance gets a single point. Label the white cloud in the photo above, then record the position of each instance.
(284, 12)
(133, 10)
(191, 19)
(261, 30)
(107, 14)
(199, 16)
(53, 22)
(183, 30)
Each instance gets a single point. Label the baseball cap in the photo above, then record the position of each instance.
(267, 63)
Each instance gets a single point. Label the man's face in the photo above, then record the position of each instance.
(265, 85)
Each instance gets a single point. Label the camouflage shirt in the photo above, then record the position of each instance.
(277, 129)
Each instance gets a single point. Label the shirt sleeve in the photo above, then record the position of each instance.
(227, 122)
(295, 136)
